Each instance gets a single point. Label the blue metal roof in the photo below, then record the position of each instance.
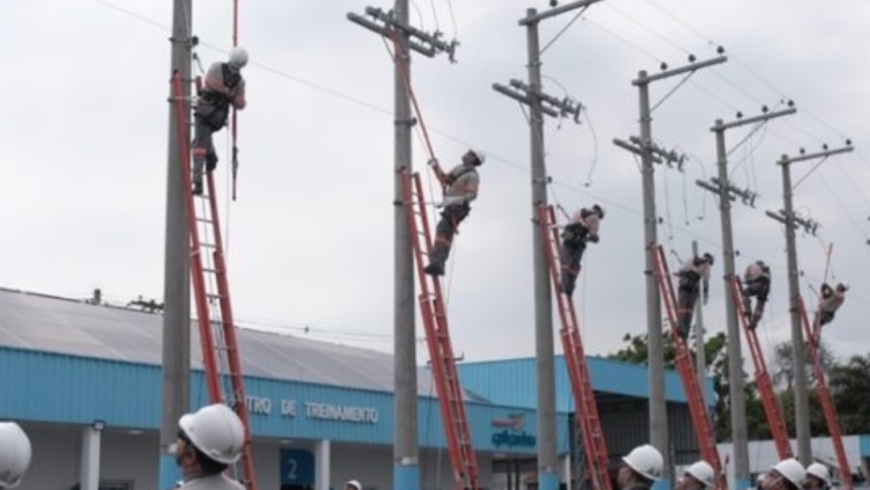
(513, 381)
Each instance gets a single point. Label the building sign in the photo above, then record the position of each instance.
(297, 468)
(313, 410)
(512, 433)
(343, 413)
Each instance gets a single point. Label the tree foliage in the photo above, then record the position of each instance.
(849, 383)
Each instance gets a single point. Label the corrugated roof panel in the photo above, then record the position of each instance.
(72, 327)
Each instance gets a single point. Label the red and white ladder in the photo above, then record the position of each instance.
(697, 407)
(825, 397)
(586, 413)
(762, 378)
(217, 332)
(453, 416)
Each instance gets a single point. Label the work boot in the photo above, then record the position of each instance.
(197, 188)
(434, 269)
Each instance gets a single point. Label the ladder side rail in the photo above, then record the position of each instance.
(429, 300)
(196, 268)
(584, 400)
(231, 345)
(458, 413)
(827, 402)
(762, 378)
(697, 407)
(593, 433)
(227, 320)
(438, 370)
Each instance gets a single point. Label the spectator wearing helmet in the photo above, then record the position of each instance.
(788, 474)
(694, 274)
(582, 228)
(756, 282)
(641, 468)
(209, 441)
(818, 477)
(353, 485)
(830, 302)
(223, 87)
(699, 476)
(460, 188)
(15, 453)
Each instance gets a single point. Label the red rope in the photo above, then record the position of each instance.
(394, 35)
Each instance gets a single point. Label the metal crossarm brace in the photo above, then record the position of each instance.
(422, 42)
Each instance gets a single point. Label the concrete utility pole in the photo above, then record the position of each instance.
(791, 221)
(406, 470)
(540, 104)
(176, 275)
(726, 193)
(650, 154)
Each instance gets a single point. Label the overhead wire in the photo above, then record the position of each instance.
(359, 102)
(453, 17)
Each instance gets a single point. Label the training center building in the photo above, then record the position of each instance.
(84, 380)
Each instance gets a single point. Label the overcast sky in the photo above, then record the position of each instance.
(84, 146)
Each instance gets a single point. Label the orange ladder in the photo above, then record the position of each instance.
(588, 420)
(453, 416)
(698, 409)
(217, 332)
(827, 402)
(762, 378)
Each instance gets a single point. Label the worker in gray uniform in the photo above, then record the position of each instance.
(210, 440)
(831, 301)
(694, 280)
(460, 189)
(756, 283)
(223, 88)
(581, 229)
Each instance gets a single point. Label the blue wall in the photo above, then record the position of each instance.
(39, 386)
(512, 382)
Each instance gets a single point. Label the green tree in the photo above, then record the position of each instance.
(782, 366)
(716, 358)
(849, 384)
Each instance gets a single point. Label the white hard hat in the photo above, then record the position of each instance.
(216, 431)
(481, 156)
(15, 453)
(646, 461)
(354, 483)
(238, 57)
(703, 472)
(791, 470)
(820, 471)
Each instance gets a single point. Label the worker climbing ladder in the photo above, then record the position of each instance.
(825, 397)
(762, 378)
(453, 416)
(697, 407)
(588, 420)
(220, 353)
